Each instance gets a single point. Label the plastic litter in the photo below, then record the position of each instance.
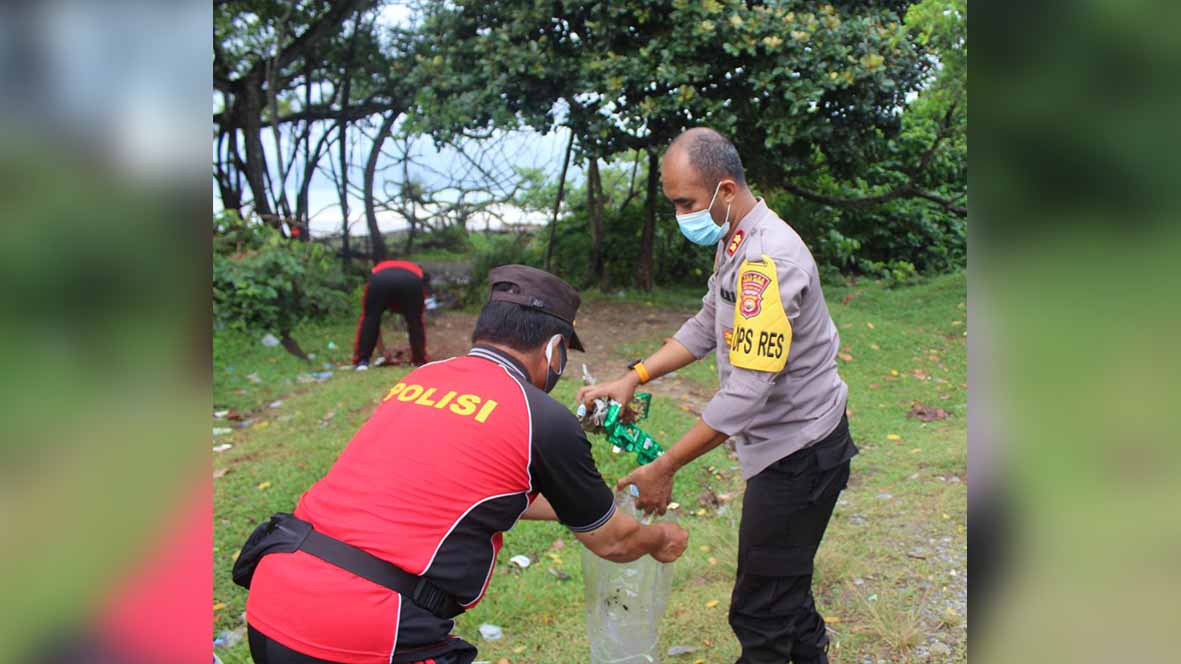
(490, 632)
(220, 413)
(253, 378)
(431, 303)
(222, 448)
(270, 341)
(228, 638)
(331, 345)
(673, 651)
(520, 561)
(625, 602)
(275, 404)
(322, 376)
(221, 431)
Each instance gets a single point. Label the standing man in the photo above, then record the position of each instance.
(780, 396)
(399, 286)
(407, 523)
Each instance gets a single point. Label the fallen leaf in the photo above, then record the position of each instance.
(832, 620)
(875, 346)
(920, 374)
(874, 386)
(915, 450)
(558, 544)
(562, 576)
(712, 560)
(957, 322)
(845, 356)
(219, 606)
(705, 548)
(220, 472)
(519, 649)
(869, 325)
(711, 604)
(234, 556)
(893, 372)
(503, 660)
(264, 486)
(926, 413)
(893, 436)
(701, 512)
(262, 425)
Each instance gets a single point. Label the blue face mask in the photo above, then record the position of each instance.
(699, 226)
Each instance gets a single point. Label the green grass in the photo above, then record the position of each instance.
(884, 574)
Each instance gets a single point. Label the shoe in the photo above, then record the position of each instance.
(362, 367)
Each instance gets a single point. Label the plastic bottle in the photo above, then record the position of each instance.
(625, 602)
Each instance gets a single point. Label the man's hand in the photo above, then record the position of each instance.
(655, 482)
(676, 540)
(620, 389)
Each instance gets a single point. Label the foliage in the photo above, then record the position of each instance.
(263, 282)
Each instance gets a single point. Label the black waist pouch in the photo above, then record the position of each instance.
(283, 533)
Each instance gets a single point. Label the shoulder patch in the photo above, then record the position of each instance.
(761, 336)
(735, 242)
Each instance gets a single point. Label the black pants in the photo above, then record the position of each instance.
(265, 650)
(784, 515)
(400, 290)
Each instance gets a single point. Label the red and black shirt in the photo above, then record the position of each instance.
(452, 457)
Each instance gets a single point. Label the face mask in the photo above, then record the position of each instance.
(551, 376)
(699, 226)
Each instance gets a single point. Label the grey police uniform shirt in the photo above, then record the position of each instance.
(770, 413)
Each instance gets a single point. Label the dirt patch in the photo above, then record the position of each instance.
(604, 327)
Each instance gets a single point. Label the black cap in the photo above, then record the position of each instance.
(537, 289)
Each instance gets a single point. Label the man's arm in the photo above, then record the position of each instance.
(540, 510)
(623, 539)
(655, 480)
(671, 356)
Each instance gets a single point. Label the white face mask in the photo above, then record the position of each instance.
(551, 376)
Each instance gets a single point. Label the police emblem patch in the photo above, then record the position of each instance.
(735, 243)
(751, 286)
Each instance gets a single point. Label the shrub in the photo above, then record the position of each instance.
(263, 282)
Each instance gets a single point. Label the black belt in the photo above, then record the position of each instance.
(382, 572)
(286, 533)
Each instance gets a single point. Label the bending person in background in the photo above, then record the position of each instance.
(399, 286)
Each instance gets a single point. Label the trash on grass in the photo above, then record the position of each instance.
(270, 341)
(490, 632)
(220, 413)
(221, 431)
(673, 651)
(222, 448)
(520, 561)
(254, 378)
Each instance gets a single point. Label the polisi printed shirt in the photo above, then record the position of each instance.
(776, 344)
(450, 459)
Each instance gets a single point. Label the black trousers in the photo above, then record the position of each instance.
(400, 290)
(265, 650)
(784, 515)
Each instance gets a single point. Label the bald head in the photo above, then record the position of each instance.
(709, 154)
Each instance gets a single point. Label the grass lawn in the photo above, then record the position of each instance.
(891, 574)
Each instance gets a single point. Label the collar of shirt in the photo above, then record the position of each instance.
(746, 225)
(491, 354)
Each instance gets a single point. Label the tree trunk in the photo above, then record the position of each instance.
(303, 213)
(644, 268)
(594, 205)
(553, 227)
(292, 346)
(249, 110)
(376, 241)
(343, 126)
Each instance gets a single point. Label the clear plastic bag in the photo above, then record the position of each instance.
(625, 603)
